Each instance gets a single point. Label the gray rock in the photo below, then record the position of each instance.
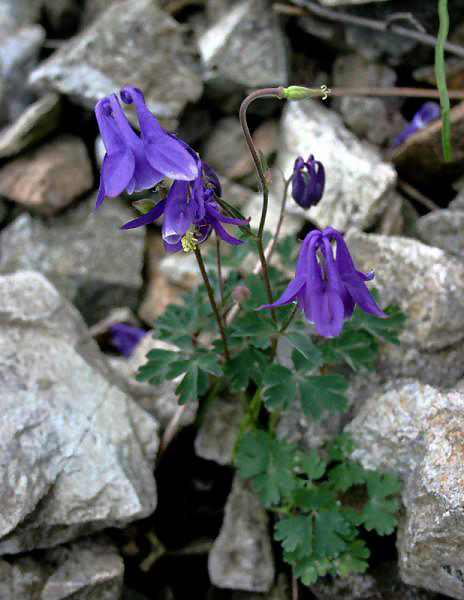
(48, 178)
(34, 124)
(431, 537)
(62, 15)
(217, 434)
(180, 269)
(383, 583)
(241, 557)
(92, 262)
(279, 592)
(19, 51)
(389, 429)
(426, 283)
(16, 13)
(246, 47)
(443, 229)
(85, 570)
(226, 147)
(77, 453)
(160, 401)
(294, 426)
(376, 119)
(414, 430)
(440, 368)
(358, 181)
(134, 42)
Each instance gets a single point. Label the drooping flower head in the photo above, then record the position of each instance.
(190, 212)
(327, 288)
(427, 113)
(137, 162)
(308, 181)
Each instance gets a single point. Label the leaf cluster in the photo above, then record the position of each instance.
(318, 528)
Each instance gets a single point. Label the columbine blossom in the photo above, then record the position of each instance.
(137, 162)
(327, 288)
(190, 212)
(427, 113)
(308, 181)
(125, 337)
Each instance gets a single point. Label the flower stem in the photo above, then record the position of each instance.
(273, 243)
(263, 93)
(219, 273)
(212, 301)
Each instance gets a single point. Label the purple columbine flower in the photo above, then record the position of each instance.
(327, 288)
(190, 212)
(427, 113)
(134, 162)
(125, 337)
(308, 181)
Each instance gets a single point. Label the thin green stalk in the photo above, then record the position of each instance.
(441, 78)
(249, 418)
(212, 301)
(219, 274)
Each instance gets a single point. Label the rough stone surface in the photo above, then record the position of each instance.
(16, 13)
(440, 368)
(131, 43)
(158, 292)
(76, 452)
(49, 178)
(90, 260)
(426, 283)
(226, 147)
(416, 431)
(180, 269)
(19, 51)
(160, 401)
(431, 538)
(246, 46)
(86, 570)
(241, 557)
(443, 229)
(358, 181)
(376, 119)
(382, 584)
(35, 123)
(218, 432)
(280, 591)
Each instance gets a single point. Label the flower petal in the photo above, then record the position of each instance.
(179, 213)
(117, 170)
(147, 218)
(289, 295)
(163, 151)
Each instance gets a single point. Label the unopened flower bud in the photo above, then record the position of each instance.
(308, 181)
(298, 92)
(240, 293)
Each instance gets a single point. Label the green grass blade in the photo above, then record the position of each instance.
(441, 78)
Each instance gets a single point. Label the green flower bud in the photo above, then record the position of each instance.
(144, 205)
(298, 92)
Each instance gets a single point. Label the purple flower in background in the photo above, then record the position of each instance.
(427, 113)
(308, 181)
(134, 162)
(327, 288)
(125, 337)
(190, 212)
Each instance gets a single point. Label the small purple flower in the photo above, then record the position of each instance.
(134, 162)
(327, 288)
(125, 337)
(427, 113)
(308, 181)
(190, 210)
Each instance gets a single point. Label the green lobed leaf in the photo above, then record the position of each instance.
(296, 534)
(313, 466)
(353, 560)
(250, 363)
(269, 463)
(319, 392)
(379, 512)
(355, 348)
(279, 388)
(345, 475)
(187, 388)
(306, 347)
(331, 532)
(340, 448)
(383, 329)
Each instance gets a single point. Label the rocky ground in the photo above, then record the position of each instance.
(84, 512)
